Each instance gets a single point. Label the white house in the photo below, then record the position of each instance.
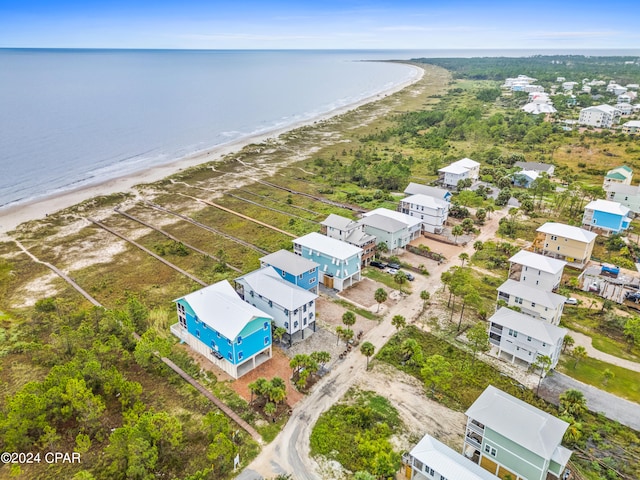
(631, 127)
(604, 116)
(618, 175)
(524, 338)
(461, 170)
(433, 460)
(536, 270)
(414, 225)
(292, 308)
(534, 302)
(627, 195)
(432, 212)
(624, 108)
(536, 108)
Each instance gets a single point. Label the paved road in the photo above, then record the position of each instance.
(593, 352)
(612, 407)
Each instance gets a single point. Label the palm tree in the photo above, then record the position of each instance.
(579, 353)
(489, 209)
(478, 245)
(408, 348)
(321, 358)
(543, 365)
(367, 349)
(270, 409)
(380, 296)
(399, 322)
(456, 232)
(463, 257)
(349, 318)
(572, 402)
(567, 341)
(400, 278)
(424, 296)
(339, 330)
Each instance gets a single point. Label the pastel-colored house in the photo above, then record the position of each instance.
(606, 216)
(435, 192)
(461, 170)
(627, 195)
(600, 116)
(525, 178)
(393, 233)
(536, 270)
(414, 225)
(215, 322)
(505, 435)
(538, 304)
(293, 268)
(352, 232)
(292, 308)
(632, 127)
(432, 212)
(521, 337)
(621, 175)
(433, 460)
(572, 244)
(339, 262)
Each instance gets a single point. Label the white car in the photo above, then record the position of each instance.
(392, 271)
(571, 301)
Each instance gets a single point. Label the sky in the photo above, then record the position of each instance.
(329, 24)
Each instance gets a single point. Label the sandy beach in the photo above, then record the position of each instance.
(12, 216)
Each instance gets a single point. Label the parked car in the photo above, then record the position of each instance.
(571, 301)
(409, 276)
(377, 264)
(394, 265)
(392, 271)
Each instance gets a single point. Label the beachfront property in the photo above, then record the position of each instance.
(339, 262)
(433, 460)
(216, 323)
(352, 232)
(632, 127)
(621, 175)
(293, 268)
(522, 338)
(435, 192)
(393, 233)
(536, 167)
(414, 225)
(505, 435)
(432, 212)
(524, 178)
(606, 217)
(463, 169)
(539, 304)
(292, 308)
(627, 195)
(600, 116)
(574, 245)
(536, 270)
(539, 108)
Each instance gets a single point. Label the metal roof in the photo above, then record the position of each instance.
(608, 206)
(410, 221)
(327, 245)
(529, 326)
(220, 307)
(537, 261)
(381, 222)
(529, 427)
(526, 292)
(436, 192)
(338, 221)
(426, 201)
(289, 262)
(268, 283)
(447, 462)
(567, 231)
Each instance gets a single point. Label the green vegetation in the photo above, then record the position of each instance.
(356, 433)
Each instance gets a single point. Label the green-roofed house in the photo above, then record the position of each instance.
(507, 436)
(618, 176)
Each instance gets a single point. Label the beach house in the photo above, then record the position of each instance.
(606, 217)
(463, 169)
(540, 304)
(519, 337)
(435, 192)
(414, 225)
(632, 127)
(536, 167)
(572, 244)
(432, 212)
(535, 270)
(216, 323)
(627, 195)
(433, 460)
(601, 116)
(524, 178)
(339, 262)
(352, 232)
(621, 175)
(293, 268)
(389, 231)
(292, 308)
(505, 435)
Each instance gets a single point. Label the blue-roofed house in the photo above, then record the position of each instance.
(339, 261)
(606, 216)
(293, 268)
(291, 307)
(215, 322)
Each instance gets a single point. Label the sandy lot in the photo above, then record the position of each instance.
(362, 294)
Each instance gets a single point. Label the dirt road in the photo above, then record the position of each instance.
(290, 452)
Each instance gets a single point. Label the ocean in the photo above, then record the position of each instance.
(69, 118)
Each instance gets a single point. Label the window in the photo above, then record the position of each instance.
(300, 276)
(265, 326)
(228, 342)
(518, 300)
(239, 340)
(295, 324)
(229, 356)
(528, 339)
(558, 248)
(240, 355)
(204, 325)
(218, 334)
(251, 293)
(266, 340)
(537, 282)
(270, 303)
(304, 308)
(286, 312)
(312, 280)
(312, 270)
(533, 304)
(284, 273)
(554, 238)
(213, 345)
(544, 344)
(490, 450)
(198, 333)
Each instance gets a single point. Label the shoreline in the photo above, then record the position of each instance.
(13, 216)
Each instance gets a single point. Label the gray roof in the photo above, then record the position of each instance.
(529, 326)
(220, 307)
(414, 188)
(339, 222)
(539, 297)
(535, 166)
(529, 427)
(448, 462)
(359, 237)
(537, 261)
(623, 188)
(386, 224)
(289, 262)
(268, 283)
